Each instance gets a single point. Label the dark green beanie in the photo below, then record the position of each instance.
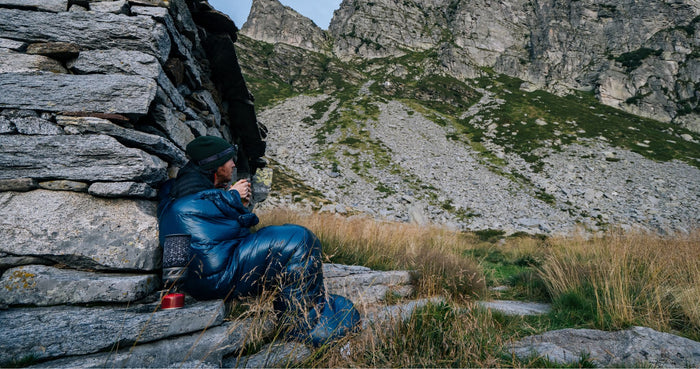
(210, 152)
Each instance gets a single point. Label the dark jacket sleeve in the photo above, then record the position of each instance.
(217, 222)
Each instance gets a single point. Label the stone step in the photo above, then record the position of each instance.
(508, 307)
(204, 349)
(42, 285)
(43, 333)
(363, 285)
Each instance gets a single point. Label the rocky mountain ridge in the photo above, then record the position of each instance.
(643, 58)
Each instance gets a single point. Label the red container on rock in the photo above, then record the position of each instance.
(173, 301)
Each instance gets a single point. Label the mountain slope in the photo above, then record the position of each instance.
(642, 58)
(399, 138)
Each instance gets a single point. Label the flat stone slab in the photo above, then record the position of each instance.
(45, 5)
(110, 93)
(89, 30)
(127, 62)
(152, 144)
(634, 347)
(365, 285)
(80, 230)
(63, 330)
(77, 157)
(198, 350)
(380, 316)
(516, 307)
(44, 285)
(274, 355)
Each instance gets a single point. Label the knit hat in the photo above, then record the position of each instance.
(210, 152)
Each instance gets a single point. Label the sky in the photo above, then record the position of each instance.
(320, 11)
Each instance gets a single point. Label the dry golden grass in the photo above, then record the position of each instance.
(631, 278)
(435, 254)
(637, 278)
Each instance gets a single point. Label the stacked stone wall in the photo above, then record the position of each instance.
(98, 101)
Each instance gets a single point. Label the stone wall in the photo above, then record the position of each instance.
(98, 101)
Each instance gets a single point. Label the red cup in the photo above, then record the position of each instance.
(173, 301)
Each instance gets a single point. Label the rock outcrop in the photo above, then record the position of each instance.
(272, 22)
(638, 57)
(632, 347)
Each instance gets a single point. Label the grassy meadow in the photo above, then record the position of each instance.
(612, 282)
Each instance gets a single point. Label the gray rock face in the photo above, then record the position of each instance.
(367, 286)
(128, 95)
(80, 158)
(43, 286)
(272, 22)
(80, 230)
(43, 332)
(628, 348)
(200, 350)
(122, 189)
(407, 25)
(150, 143)
(558, 46)
(90, 30)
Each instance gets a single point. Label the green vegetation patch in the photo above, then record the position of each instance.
(633, 59)
(531, 120)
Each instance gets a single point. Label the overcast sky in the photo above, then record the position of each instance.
(320, 11)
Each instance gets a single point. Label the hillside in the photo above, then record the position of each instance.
(401, 136)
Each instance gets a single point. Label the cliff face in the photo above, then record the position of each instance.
(640, 57)
(272, 22)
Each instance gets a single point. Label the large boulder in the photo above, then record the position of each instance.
(77, 157)
(80, 230)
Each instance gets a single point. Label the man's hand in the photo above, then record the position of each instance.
(243, 189)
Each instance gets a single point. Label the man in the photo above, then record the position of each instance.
(229, 261)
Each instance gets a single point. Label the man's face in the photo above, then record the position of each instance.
(224, 173)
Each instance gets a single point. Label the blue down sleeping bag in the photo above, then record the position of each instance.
(230, 261)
